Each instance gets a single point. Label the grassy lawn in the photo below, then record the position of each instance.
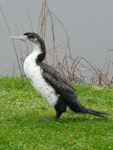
(27, 121)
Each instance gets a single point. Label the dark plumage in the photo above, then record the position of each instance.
(68, 97)
(52, 85)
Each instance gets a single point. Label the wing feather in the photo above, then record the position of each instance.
(59, 81)
(62, 86)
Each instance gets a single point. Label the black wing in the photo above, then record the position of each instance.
(62, 86)
(59, 81)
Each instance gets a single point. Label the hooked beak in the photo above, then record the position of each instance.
(21, 37)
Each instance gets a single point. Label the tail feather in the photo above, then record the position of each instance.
(96, 112)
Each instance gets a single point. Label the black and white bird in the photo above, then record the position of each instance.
(54, 87)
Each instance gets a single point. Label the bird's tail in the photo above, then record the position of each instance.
(77, 107)
(96, 112)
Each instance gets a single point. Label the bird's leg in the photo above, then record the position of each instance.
(57, 116)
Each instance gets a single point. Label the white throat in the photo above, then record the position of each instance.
(30, 61)
(36, 52)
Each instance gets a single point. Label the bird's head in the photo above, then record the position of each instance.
(35, 40)
(31, 37)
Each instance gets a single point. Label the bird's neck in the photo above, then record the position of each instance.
(38, 54)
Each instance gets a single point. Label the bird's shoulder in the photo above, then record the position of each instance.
(56, 79)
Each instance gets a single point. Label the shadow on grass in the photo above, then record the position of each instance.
(33, 119)
(75, 118)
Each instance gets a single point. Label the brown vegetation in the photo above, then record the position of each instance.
(79, 68)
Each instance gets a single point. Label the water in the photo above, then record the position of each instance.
(89, 24)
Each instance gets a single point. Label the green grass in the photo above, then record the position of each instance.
(27, 123)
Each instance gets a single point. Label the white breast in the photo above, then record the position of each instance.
(34, 74)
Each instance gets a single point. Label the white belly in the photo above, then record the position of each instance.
(34, 74)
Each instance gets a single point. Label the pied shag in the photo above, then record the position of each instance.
(54, 87)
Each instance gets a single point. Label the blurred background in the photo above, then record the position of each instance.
(86, 25)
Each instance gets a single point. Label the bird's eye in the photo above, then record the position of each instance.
(35, 39)
(30, 35)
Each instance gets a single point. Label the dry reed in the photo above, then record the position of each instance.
(79, 68)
